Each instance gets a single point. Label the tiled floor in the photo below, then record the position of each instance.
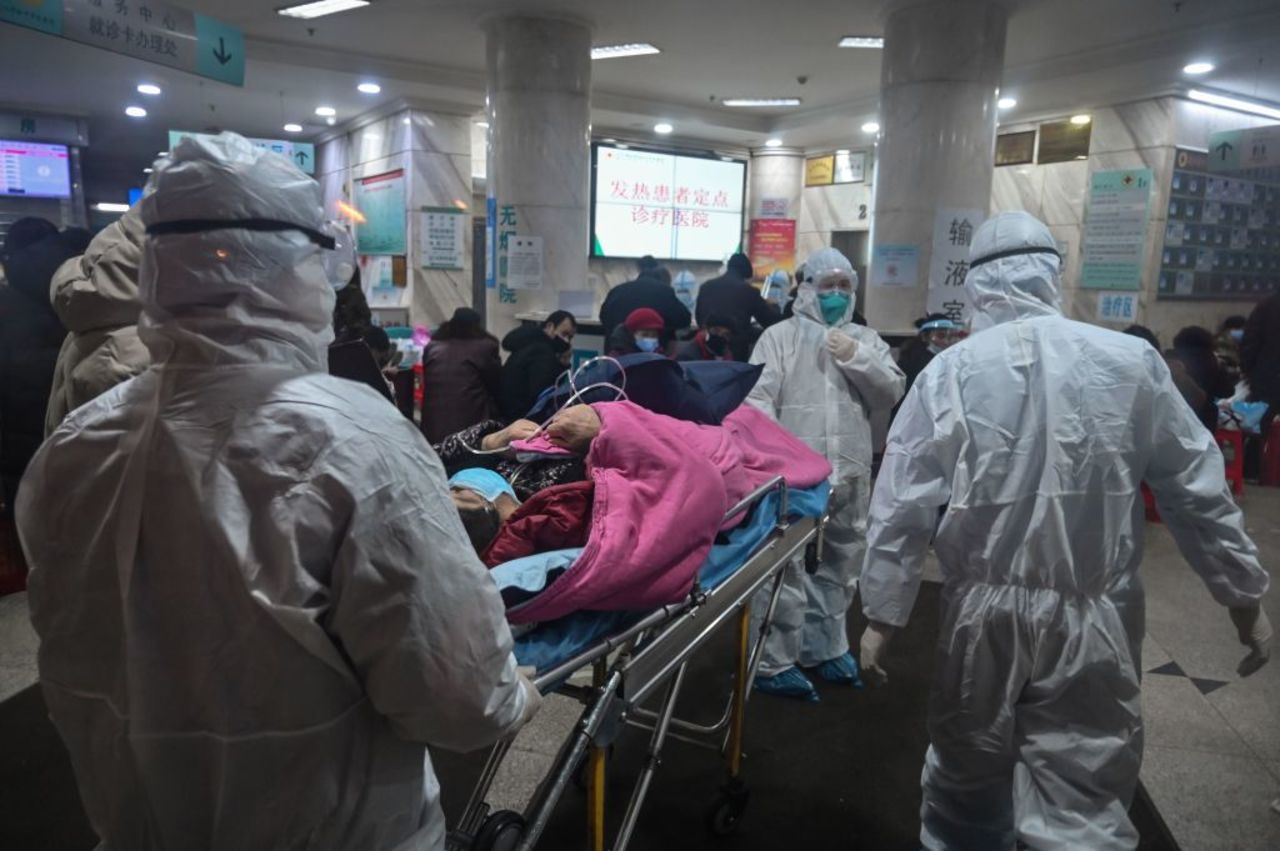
(1213, 739)
(1212, 763)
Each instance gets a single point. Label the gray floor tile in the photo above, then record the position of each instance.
(1213, 802)
(1153, 654)
(14, 680)
(17, 637)
(1176, 715)
(550, 728)
(518, 779)
(1252, 707)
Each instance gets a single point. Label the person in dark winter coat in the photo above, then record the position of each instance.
(538, 355)
(1260, 354)
(461, 370)
(352, 318)
(30, 338)
(652, 289)
(1193, 348)
(641, 332)
(710, 343)
(732, 297)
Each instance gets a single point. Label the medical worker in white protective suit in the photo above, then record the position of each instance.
(823, 376)
(254, 598)
(1035, 433)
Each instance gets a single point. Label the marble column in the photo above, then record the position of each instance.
(939, 81)
(538, 105)
(776, 181)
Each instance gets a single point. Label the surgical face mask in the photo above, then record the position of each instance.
(834, 305)
(647, 344)
(1236, 334)
(488, 484)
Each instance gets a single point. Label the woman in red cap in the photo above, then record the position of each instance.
(640, 332)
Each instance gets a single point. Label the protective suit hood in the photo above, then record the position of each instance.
(820, 264)
(231, 269)
(1013, 270)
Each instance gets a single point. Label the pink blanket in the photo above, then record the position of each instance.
(662, 488)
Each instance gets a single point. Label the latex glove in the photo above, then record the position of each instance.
(518, 430)
(533, 699)
(841, 346)
(1254, 628)
(875, 640)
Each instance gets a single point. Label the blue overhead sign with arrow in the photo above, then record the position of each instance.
(143, 29)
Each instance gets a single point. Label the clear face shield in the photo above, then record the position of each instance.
(339, 260)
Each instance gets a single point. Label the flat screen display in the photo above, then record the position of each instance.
(33, 170)
(672, 206)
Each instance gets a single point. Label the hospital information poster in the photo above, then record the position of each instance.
(673, 207)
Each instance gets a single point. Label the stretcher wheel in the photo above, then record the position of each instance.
(725, 814)
(500, 832)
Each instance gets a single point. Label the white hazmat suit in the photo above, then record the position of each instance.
(1035, 435)
(826, 402)
(254, 598)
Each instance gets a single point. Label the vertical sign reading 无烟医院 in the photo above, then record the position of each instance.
(1115, 229)
(142, 29)
(949, 261)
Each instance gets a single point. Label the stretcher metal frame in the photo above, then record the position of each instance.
(632, 666)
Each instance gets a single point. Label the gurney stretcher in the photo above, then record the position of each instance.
(642, 660)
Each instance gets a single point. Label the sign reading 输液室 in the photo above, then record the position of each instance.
(143, 29)
(1115, 231)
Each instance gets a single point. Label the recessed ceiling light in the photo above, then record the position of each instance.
(610, 141)
(761, 101)
(871, 127)
(326, 111)
(1081, 119)
(1006, 103)
(483, 124)
(842, 152)
(148, 89)
(147, 170)
(775, 142)
(1081, 157)
(369, 88)
(1197, 68)
(871, 41)
(135, 111)
(663, 128)
(293, 128)
(617, 51)
(727, 159)
(1240, 104)
(331, 121)
(320, 8)
(109, 207)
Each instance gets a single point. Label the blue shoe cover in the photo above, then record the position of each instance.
(789, 683)
(842, 670)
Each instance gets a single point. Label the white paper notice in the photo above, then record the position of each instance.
(442, 238)
(524, 262)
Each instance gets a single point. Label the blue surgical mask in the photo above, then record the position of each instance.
(834, 305)
(486, 483)
(1236, 334)
(647, 344)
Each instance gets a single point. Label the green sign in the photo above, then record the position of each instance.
(42, 15)
(380, 200)
(149, 30)
(302, 154)
(1115, 234)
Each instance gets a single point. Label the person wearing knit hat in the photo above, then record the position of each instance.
(640, 332)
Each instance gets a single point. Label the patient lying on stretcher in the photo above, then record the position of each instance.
(644, 512)
(501, 528)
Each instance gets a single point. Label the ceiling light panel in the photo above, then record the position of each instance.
(618, 51)
(1239, 104)
(320, 8)
(761, 101)
(873, 42)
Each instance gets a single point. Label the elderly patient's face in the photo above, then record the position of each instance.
(464, 499)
